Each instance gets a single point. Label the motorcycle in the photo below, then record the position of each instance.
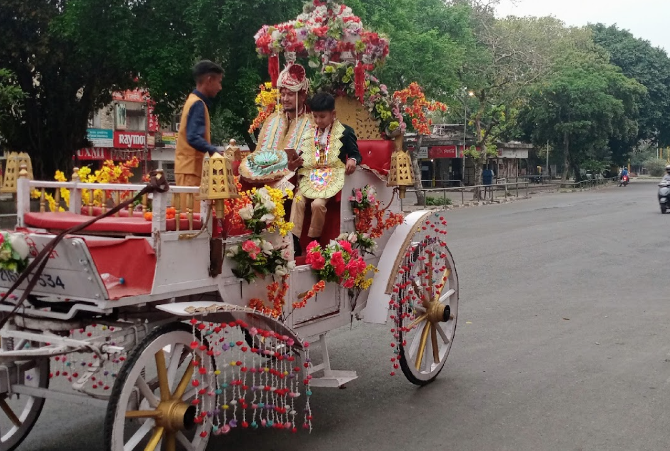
(664, 195)
(623, 181)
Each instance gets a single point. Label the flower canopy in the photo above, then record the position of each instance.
(326, 31)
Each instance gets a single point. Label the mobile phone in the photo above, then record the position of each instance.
(291, 153)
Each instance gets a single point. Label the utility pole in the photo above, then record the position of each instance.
(548, 171)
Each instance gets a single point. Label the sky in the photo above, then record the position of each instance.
(646, 19)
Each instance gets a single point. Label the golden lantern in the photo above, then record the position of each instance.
(233, 151)
(401, 172)
(218, 182)
(15, 160)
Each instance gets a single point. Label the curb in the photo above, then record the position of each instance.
(480, 203)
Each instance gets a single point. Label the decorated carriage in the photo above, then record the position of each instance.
(185, 325)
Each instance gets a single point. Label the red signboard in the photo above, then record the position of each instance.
(136, 95)
(444, 152)
(129, 140)
(94, 153)
(101, 153)
(152, 120)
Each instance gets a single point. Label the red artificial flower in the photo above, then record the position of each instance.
(337, 261)
(315, 260)
(346, 245)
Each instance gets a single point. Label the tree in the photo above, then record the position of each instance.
(650, 66)
(66, 66)
(11, 95)
(581, 106)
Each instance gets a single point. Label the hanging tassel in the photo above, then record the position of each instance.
(273, 69)
(359, 81)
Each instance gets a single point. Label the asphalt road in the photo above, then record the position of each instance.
(563, 343)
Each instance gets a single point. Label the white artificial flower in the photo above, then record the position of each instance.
(268, 218)
(291, 265)
(246, 213)
(18, 242)
(232, 251)
(269, 205)
(286, 254)
(352, 237)
(266, 247)
(281, 271)
(343, 236)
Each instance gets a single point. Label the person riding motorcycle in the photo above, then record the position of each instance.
(624, 172)
(666, 177)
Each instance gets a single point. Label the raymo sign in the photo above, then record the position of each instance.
(129, 140)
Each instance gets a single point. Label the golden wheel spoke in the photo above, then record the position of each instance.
(155, 439)
(171, 441)
(9, 412)
(443, 282)
(416, 321)
(433, 342)
(422, 346)
(143, 414)
(161, 369)
(183, 383)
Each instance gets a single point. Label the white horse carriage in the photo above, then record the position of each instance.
(148, 319)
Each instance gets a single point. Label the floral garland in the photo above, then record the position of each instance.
(276, 296)
(257, 256)
(14, 251)
(419, 106)
(109, 173)
(336, 262)
(370, 221)
(266, 104)
(324, 31)
(316, 288)
(339, 79)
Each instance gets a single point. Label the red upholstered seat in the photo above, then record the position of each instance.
(376, 154)
(135, 225)
(133, 259)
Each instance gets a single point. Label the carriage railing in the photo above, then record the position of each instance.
(181, 198)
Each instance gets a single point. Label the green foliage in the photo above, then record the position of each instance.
(655, 166)
(437, 201)
(11, 95)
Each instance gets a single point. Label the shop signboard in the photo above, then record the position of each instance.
(513, 153)
(169, 140)
(93, 153)
(444, 152)
(100, 137)
(422, 153)
(129, 140)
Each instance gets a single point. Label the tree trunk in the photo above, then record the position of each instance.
(479, 162)
(566, 152)
(420, 197)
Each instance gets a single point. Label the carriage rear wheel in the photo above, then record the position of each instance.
(19, 412)
(151, 405)
(428, 318)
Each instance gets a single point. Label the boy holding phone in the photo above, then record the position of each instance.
(329, 151)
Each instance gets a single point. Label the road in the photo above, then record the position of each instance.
(563, 343)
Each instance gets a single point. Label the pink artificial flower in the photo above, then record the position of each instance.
(352, 198)
(312, 245)
(371, 198)
(346, 245)
(338, 263)
(349, 283)
(250, 247)
(359, 196)
(315, 260)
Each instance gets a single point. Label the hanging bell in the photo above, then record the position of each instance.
(401, 172)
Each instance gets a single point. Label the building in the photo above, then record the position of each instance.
(442, 163)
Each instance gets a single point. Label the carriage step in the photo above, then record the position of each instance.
(333, 379)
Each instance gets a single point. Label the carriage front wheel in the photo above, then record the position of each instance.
(426, 309)
(151, 406)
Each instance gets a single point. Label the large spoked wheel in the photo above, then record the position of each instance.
(151, 402)
(19, 412)
(430, 315)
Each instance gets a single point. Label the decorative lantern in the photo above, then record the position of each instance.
(233, 151)
(401, 173)
(218, 182)
(14, 162)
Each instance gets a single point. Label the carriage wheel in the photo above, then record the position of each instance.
(151, 402)
(19, 413)
(428, 318)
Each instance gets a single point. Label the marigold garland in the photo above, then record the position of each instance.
(276, 296)
(316, 288)
(266, 104)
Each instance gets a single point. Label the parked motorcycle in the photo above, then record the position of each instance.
(664, 196)
(623, 181)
